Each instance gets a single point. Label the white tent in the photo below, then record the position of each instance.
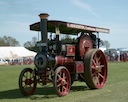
(15, 52)
(102, 48)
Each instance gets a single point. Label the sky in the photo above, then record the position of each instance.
(17, 15)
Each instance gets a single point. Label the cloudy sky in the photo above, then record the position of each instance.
(17, 15)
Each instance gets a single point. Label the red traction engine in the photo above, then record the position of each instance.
(63, 63)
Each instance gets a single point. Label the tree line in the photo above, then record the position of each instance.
(8, 41)
(31, 45)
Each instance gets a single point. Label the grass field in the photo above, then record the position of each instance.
(115, 90)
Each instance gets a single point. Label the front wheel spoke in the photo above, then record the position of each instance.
(25, 86)
(23, 81)
(31, 77)
(29, 87)
(25, 76)
(32, 81)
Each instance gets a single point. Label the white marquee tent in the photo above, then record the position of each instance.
(15, 52)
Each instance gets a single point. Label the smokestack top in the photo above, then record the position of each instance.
(43, 16)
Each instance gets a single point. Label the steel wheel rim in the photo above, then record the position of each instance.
(62, 81)
(95, 68)
(98, 69)
(27, 82)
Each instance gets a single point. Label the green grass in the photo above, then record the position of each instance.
(115, 90)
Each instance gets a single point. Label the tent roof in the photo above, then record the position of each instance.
(15, 52)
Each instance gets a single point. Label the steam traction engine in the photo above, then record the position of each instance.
(63, 63)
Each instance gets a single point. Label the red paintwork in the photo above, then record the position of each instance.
(61, 60)
(85, 44)
(70, 63)
(71, 67)
(70, 50)
(79, 66)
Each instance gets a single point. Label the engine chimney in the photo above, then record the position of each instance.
(43, 28)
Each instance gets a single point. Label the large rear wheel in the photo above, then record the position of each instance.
(62, 81)
(27, 82)
(95, 68)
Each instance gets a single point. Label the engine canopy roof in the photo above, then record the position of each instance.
(67, 27)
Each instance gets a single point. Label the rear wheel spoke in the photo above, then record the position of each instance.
(59, 85)
(101, 75)
(95, 68)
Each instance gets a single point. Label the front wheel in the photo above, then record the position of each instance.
(27, 82)
(62, 81)
(95, 68)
